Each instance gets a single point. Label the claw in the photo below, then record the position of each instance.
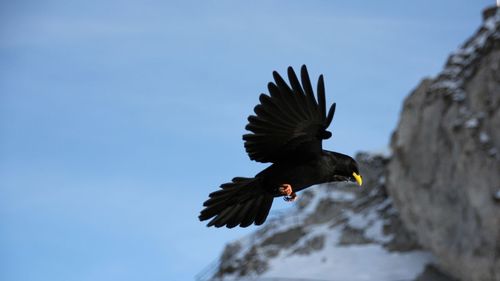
(290, 198)
(287, 192)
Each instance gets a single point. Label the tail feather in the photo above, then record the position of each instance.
(242, 210)
(264, 209)
(250, 215)
(221, 219)
(240, 202)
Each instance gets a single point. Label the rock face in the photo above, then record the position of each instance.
(444, 176)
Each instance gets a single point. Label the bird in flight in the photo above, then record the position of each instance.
(287, 130)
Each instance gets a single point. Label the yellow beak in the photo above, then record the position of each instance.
(358, 178)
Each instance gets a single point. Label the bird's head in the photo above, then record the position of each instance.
(345, 168)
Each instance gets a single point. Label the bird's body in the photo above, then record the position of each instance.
(287, 131)
(300, 174)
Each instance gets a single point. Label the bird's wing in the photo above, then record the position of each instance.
(290, 122)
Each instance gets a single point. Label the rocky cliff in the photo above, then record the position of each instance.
(444, 176)
(330, 234)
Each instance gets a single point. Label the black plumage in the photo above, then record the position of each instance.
(287, 130)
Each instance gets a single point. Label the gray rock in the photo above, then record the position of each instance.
(432, 273)
(316, 243)
(285, 238)
(353, 236)
(443, 176)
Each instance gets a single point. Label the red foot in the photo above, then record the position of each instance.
(287, 192)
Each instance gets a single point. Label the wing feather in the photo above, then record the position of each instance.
(306, 82)
(307, 90)
(264, 209)
(291, 103)
(298, 98)
(289, 122)
(331, 112)
(252, 212)
(321, 96)
(294, 81)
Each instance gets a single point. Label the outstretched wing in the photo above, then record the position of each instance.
(290, 123)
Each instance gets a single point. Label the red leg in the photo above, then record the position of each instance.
(287, 192)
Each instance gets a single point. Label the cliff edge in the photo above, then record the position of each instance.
(444, 174)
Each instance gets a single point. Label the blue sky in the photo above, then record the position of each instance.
(117, 118)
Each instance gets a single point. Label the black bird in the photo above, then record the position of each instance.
(287, 130)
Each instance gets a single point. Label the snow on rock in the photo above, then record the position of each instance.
(484, 137)
(497, 195)
(452, 77)
(471, 123)
(350, 263)
(335, 232)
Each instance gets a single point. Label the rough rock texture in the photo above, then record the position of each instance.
(444, 175)
(432, 273)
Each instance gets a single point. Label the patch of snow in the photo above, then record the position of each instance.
(459, 95)
(344, 263)
(279, 224)
(463, 110)
(373, 193)
(376, 232)
(327, 191)
(451, 78)
(446, 84)
(457, 58)
(381, 180)
(493, 151)
(484, 138)
(317, 193)
(480, 40)
(387, 202)
(339, 195)
(497, 195)
(491, 22)
(361, 220)
(371, 223)
(471, 123)
(452, 70)
(384, 152)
